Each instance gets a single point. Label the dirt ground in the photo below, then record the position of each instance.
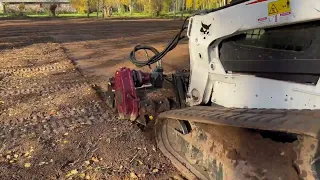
(53, 124)
(98, 47)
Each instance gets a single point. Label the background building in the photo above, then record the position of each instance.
(35, 6)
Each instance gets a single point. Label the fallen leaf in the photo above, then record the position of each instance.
(87, 177)
(27, 165)
(155, 170)
(8, 156)
(82, 175)
(26, 154)
(12, 161)
(178, 177)
(72, 172)
(66, 134)
(140, 162)
(15, 155)
(65, 141)
(120, 167)
(97, 168)
(87, 162)
(41, 163)
(133, 175)
(94, 159)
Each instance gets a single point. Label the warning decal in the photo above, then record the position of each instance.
(273, 9)
(278, 7)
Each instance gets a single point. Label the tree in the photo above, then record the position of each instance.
(156, 7)
(82, 5)
(53, 4)
(153, 7)
(168, 5)
(21, 8)
(98, 7)
(132, 3)
(104, 8)
(53, 8)
(88, 8)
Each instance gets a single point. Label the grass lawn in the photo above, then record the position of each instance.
(3, 15)
(74, 15)
(94, 14)
(146, 15)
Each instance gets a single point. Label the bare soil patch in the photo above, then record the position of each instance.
(53, 125)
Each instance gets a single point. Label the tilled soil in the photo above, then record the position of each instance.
(98, 47)
(55, 126)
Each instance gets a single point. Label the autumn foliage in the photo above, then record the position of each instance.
(154, 7)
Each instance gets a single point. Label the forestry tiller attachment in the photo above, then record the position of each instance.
(249, 107)
(125, 83)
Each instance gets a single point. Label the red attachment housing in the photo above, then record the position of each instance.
(126, 98)
(140, 78)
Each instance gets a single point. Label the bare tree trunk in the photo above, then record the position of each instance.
(105, 12)
(193, 4)
(182, 8)
(53, 8)
(4, 8)
(174, 8)
(131, 8)
(183, 5)
(109, 9)
(98, 8)
(177, 7)
(103, 9)
(88, 8)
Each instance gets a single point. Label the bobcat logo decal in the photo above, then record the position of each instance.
(205, 28)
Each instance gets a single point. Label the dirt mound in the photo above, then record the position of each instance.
(251, 154)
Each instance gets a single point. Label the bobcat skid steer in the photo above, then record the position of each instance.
(249, 107)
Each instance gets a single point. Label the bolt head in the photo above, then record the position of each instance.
(212, 66)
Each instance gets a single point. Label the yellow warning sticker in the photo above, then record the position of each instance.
(278, 7)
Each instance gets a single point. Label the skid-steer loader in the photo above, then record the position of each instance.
(248, 108)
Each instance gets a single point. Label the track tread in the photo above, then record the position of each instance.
(294, 121)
